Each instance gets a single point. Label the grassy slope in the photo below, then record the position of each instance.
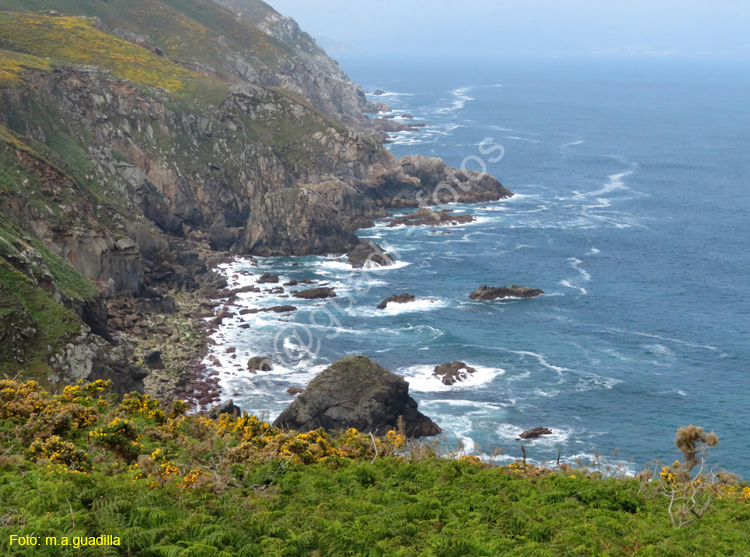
(23, 305)
(75, 40)
(187, 485)
(186, 30)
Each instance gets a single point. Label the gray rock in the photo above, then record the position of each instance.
(153, 360)
(397, 299)
(315, 293)
(451, 373)
(259, 363)
(268, 278)
(534, 433)
(228, 407)
(356, 392)
(427, 216)
(367, 254)
(487, 293)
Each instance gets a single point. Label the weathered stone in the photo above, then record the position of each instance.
(397, 299)
(315, 293)
(487, 293)
(228, 407)
(451, 373)
(259, 363)
(427, 216)
(153, 360)
(356, 392)
(368, 254)
(268, 277)
(534, 433)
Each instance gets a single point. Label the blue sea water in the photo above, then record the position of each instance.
(632, 213)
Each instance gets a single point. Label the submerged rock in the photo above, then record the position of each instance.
(397, 299)
(451, 373)
(315, 293)
(356, 392)
(486, 293)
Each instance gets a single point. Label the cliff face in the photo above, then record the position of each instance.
(310, 72)
(129, 158)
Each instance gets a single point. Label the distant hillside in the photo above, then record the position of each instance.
(259, 46)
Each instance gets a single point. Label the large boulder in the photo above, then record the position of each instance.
(451, 373)
(268, 278)
(229, 407)
(259, 363)
(486, 293)
(368, 254)
(356, 392)
(397, 299)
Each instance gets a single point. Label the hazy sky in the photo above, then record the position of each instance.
(534, 27)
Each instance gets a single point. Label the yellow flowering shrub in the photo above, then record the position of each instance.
(76, 40)
(59, 452)
(136, 404)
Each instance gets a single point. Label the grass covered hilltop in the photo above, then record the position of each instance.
(82, 465)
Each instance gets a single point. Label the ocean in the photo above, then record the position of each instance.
(632, 213)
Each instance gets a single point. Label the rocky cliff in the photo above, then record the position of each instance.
(131, 152)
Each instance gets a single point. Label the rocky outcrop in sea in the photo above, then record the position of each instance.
(356, 392)
(488, 293)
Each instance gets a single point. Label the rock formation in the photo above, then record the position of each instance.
(427, 216)
(259, 363)
(487, 293)
(451, 373)
(315, 293)
(368, 254)
(228, 407)
(396, 299)
(534, 433)
(356, 392)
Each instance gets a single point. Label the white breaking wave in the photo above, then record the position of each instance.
(576, 264)
(572, 143)
(422, 380)
(419, 305)
(567, 284)
(510, 432)
(461, 98)
(339, 264)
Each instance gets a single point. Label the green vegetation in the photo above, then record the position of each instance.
(75, 40)
(33, 326)
(188, 31)
(13, 65)
(166, 483)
